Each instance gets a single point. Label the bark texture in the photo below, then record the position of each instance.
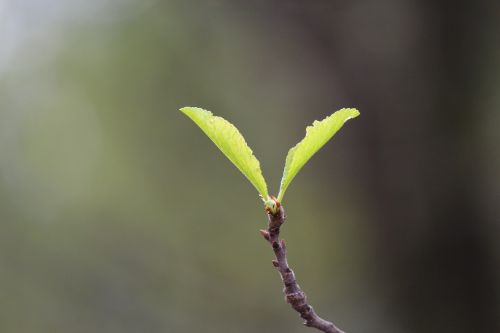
(293, 294)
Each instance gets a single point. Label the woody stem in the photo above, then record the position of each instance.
(293, 294)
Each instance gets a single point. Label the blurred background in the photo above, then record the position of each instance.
(118, 215)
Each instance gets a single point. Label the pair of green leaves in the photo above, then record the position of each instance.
(230, 141)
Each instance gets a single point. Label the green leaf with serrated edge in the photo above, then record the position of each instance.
(230, 141)
(316, 136)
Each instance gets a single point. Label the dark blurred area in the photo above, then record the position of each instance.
(118, 215)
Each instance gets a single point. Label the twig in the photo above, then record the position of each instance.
(293, 294)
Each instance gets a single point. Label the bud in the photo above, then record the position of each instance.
(264, 234)
(272, 205)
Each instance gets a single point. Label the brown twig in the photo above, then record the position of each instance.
(293, 294)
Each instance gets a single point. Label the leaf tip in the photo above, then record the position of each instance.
(191, 109)
(353, 113)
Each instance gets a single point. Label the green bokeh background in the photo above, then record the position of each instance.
(118, 215)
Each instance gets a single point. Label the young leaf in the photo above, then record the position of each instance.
(230, 141)
(316, 136)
